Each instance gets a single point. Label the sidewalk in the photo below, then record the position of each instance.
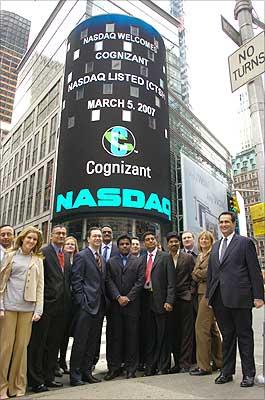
(177, 386)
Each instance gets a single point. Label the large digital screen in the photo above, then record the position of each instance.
(113, 151)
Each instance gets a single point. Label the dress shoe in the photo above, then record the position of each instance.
(130, 375)
(40, 388)
(174, 370)
(111, 375)
(90, 378)
(223, 379)
(54, 384)
(184, 370)
(199, 372)
(58, 373)
(66, 371)
(163, 372)
(149, 372)
(77, 383)
(141, 368)
(247, 381)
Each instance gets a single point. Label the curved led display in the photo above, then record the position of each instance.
(113, 151)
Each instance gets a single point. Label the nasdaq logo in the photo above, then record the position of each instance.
(118, 141)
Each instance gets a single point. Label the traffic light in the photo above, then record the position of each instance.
(233, 205)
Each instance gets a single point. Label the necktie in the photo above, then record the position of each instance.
(148, 268)
(105, 253)
(98, 261)
(61, 259)
(223, 249)
(124, 260)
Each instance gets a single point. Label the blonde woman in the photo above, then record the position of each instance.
(71, 247)
(21, 303)
(208, 340)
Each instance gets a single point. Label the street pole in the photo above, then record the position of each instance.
(243, 13)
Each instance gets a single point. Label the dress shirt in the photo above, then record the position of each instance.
(229, 238)
(109, 245)
(124, 259)
(149, 284)
(2, 253)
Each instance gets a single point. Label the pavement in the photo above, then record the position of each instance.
(177, 386)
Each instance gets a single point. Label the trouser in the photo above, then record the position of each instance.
(85, 343)
(236, 326)
(181, 333)
(15, 334)
(123, 346)
(43, 349)
(209, 344)
(156, 337)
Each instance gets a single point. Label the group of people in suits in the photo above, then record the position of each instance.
(156, 304)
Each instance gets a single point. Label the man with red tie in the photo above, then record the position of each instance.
(48, 331)
(157, 302)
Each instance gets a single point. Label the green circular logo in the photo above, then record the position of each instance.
(118, 141)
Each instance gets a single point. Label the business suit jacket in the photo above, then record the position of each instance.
(163, 281)
(126, 280)
(199, 274)
(57, 295)
(88, 283)
(238, 275)
(183, 271)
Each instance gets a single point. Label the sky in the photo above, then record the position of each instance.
(208, 49)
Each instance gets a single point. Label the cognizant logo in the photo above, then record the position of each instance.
(118, 141)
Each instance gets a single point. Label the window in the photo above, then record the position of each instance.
(38, 192)
(150, 55)
(84, 34)
(14, 175)
(16, 137)
(89, 67)
(30, 196)
(152, 122)
(80, 93)
(98, 46)
(127, 46)
(47, 188)
(48, 104)
(134, 30)
(4, 221)
(95, 115)
(35, 149)
(9, 172)
(107, 88)
(43, 141)
(53, 131)
(126, 115)
(28, 125)
(71, 122)
(28, 152)
(21, 161)
(16, 205)
(76, 54)
(134, 91)
(144, 71)
(116, 64)
(23, 201)
(10, 206)
(110, 28)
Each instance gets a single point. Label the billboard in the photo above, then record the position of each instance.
(204, 198)
(113, 151)
(257, 212)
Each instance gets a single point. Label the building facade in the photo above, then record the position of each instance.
(29, 153)
(14, 35)
(246, 182)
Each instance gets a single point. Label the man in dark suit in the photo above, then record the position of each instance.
(89, 294)
(181, 318)
(48, 331)
(125, 280)
(157, 303)
(234, 285)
